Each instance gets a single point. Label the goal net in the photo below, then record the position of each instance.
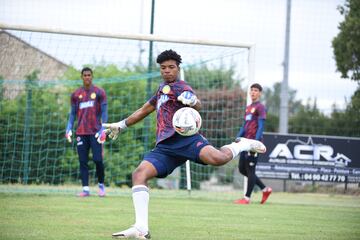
(40, 68)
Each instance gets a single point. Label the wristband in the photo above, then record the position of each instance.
(122, 124)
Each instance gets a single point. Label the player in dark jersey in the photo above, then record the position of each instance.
(254, 120)
(172, 149)
(89, 106)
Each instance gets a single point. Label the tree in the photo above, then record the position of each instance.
(214, 77)
(309, 120)
(346, 44)
(353, 114)
(272, 102)
(347, 55)
(347, 123)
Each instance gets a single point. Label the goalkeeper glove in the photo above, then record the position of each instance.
(113, 129)
(68, 135)
(101, 136)
(188, 98)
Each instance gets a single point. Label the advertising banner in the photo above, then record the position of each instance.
(310, 158)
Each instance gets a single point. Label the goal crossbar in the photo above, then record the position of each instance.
(141, 37)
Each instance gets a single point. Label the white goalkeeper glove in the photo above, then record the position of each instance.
(188, 98)
(101, 136)
(113, 129)
(68, 135)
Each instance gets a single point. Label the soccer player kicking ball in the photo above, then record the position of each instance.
(172, 149)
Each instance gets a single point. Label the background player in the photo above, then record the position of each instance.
(89, 105)
(254, 121)
(172, 149)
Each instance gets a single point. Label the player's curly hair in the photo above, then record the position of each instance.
(168, 55)
(256, 85)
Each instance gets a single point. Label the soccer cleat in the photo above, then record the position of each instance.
(266, 195)
(255, 145)
(242, 201)
(132, 232)
(101, 191)
(84, 194)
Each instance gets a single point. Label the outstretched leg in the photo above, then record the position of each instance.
(212, 156)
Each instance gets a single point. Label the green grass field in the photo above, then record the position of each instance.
(175, 215)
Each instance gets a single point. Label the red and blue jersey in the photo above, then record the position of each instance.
(253, 113)
(88, 103)
(166, 104)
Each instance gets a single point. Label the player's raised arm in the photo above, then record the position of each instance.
(113, 129)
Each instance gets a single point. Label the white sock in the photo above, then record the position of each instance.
(247, 198)
(141, 197)
(86, 189)
(238, 147)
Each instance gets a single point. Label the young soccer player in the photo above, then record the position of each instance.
(172, 149)
(255, 115)
(89, 105)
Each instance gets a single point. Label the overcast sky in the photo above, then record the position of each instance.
(313, 25)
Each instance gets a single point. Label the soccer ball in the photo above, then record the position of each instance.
(186, 121)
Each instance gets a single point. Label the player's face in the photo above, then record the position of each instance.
(169, 70)
(255, 94)
(87, 78)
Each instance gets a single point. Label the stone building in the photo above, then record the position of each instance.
(19, 59)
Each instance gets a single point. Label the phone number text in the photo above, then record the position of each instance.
(318, 177)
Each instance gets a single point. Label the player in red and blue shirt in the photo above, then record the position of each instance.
(89, 106)
(254, 121)
(252, 128)
(172, 149)
(166, 103)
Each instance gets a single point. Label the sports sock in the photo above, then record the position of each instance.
(141, 204)
(237, 147)
(86, 189)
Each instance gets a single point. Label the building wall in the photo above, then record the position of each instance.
(18, 59)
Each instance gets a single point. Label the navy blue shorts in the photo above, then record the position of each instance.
(174, 151)
(84, 143)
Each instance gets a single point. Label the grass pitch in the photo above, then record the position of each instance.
(174, 215)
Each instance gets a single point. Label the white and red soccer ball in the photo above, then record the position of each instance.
(186, 121)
